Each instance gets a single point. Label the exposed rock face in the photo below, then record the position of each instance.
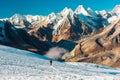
(19, 38)
(19, 21)
(68, 25)
(102, 48)
(66, 29)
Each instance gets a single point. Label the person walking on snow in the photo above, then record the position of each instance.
(50, 61)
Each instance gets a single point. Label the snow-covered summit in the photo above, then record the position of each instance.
(53, 18)
(35, 18)
(116, 10)
(24, 20)
(17, 18)
(67, 11)
(104, 13)
(81, 10)
(91, 12)
(29, 18)
(112, 15)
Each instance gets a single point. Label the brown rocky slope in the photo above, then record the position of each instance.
(101, 48)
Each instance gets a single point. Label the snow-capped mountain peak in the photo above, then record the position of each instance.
(91, 12)
(31, 18)
(55, 17)
(116, 10)
(103, 12)
(67, 11)
(18, 20)
(51, 15)
(17, 17)
(89, 9)
(97, 12)
(81, 10)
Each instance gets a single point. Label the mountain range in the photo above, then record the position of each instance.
(90, 36)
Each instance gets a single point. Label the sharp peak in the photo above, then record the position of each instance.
(18, 15)
(103, 12)
(81, 10)
(66, 8)
(81, 6)
(116, 6)
(89, 9)
(97, 12)
(52, 14)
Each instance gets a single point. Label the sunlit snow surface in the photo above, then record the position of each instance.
(17, 64)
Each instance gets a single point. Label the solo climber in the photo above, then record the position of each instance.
(50, 61)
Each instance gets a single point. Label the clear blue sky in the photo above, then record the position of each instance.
(45, 7)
